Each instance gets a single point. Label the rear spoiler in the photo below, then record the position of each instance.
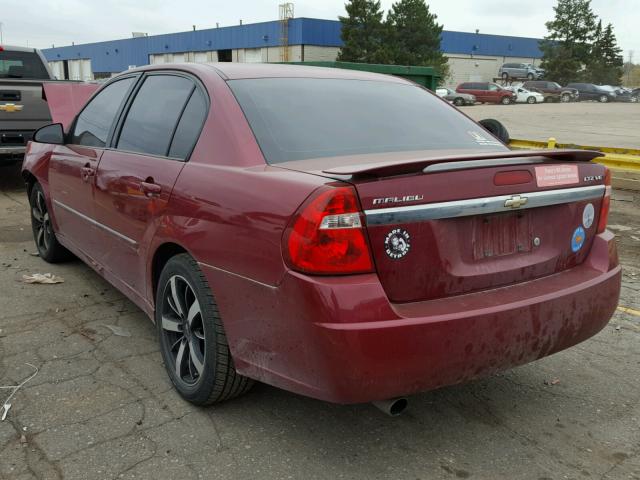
(65, 99)
(399, 167)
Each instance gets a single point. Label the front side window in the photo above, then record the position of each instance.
(94, 122)
(301, 118)
(154, 114)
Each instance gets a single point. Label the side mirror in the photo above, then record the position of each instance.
(53, 134)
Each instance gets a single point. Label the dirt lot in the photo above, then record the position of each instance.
(101, 405)
(584, 123)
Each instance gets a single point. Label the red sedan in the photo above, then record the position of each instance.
(339, 234)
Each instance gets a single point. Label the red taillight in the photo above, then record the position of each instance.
(512, 177)
(606, 203)
(326, 236)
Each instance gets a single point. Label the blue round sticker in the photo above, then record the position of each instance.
(578, 239)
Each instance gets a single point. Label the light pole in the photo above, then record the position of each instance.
(1, 33)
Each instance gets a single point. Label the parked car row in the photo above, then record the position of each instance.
(535, 91)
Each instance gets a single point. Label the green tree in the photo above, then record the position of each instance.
(414, 35)
(605, 65)
(567, 47)
(363, 33)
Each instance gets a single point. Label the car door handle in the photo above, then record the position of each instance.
(150, 189)
(87, 172)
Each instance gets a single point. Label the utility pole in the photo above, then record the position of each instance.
(629, 67)
(1, 40)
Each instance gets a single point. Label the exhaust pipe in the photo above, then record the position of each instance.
(393, 406)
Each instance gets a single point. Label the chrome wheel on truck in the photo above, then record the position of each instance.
(193, 342)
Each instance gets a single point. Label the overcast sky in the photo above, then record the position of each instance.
(41, 23)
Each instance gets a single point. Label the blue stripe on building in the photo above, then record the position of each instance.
(117, 55)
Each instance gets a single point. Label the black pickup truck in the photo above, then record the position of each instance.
(22, 107)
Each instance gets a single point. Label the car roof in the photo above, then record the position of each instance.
(10, 48)
(236, 71)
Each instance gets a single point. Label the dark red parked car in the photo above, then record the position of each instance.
(487, 92)
(343, 235)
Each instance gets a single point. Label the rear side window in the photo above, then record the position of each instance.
(466, 86)
(154, 113)
(94, 123)
(300, 118)
(22, 65)
(189, 126)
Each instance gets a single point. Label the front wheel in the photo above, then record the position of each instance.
(458, 102)
(531, 100)
(506, 100)
(49, 249)
(530, 76)
(192, 338)
(565, 98)
(634, 99)
(603, 99)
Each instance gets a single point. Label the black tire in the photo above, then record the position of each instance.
(603, 99)
(531, 100)
(44, 237)
(505, 101)
(530, 76)
(208, 375)
(505, 76)
(458, 102)
(565, 98)
(496, 128)
(634, 98)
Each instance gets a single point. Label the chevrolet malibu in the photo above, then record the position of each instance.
(339, 234)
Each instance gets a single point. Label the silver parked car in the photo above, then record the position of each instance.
(520, 71)
(458, 99)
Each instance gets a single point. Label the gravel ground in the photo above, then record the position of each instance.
(101, 406)
(618, 124)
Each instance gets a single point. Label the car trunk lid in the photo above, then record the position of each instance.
(446, 225)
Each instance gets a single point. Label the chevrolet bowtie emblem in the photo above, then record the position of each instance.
(10, 107)
(516, 201)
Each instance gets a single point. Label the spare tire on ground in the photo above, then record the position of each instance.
(496, 128)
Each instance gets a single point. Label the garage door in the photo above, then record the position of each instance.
(253, 55)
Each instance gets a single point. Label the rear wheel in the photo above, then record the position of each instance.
(49, 249)
(458, 102)
(603, 99)
(192, 338)
(505, 100)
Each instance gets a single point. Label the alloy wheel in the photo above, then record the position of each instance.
(41, 223)
(183, 328)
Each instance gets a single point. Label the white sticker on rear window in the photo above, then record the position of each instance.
(485, 140)
(555, 175)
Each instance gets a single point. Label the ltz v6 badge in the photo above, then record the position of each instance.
(397, 243)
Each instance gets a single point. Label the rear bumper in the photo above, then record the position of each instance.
(10, 154)
(340, 340)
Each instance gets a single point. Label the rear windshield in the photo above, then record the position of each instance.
(22, 65)
(300, 118)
